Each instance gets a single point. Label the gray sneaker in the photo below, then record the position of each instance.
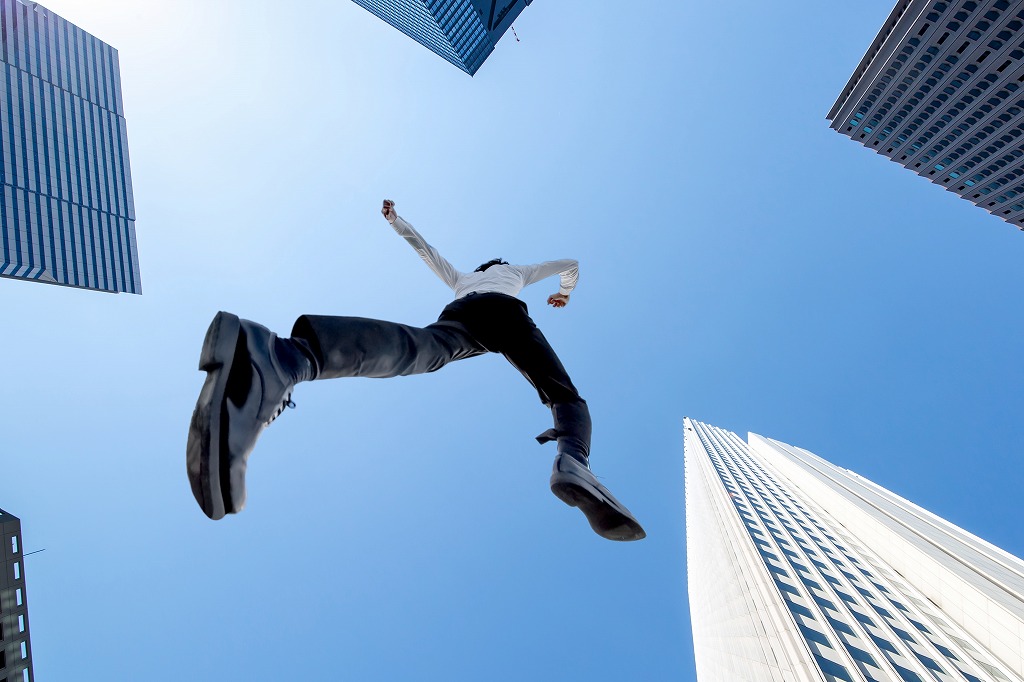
(247, 387)
(574, 484)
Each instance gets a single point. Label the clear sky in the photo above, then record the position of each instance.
(741, 264)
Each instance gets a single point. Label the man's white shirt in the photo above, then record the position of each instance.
(501, 279)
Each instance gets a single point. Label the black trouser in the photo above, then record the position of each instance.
(469, 326)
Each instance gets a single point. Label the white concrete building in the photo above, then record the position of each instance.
(801, 570)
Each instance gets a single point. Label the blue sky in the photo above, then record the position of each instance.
(741, 264)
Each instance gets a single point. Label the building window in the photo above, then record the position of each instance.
(812, 635)
(907, 675)
(903, 634)
(14, 544)
(17, 571)
(993, 671)
(24, 650)
(883, 644)
(810, 583)
(929, 662)
(832, 670)
(802, 610)
(964, 643)
(17, 597)
(840, 626)
(861, 617)
(786, 587)
(21, 623)
(861, 655)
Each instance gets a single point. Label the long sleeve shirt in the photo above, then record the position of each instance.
(502, 279)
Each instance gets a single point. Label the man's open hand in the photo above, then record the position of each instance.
(389, 211)
(558, 300)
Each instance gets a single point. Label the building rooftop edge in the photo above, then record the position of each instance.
(902, 9)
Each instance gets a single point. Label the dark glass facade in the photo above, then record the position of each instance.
(940, 92)
(67, 214)
(462, 31)
(15, 648)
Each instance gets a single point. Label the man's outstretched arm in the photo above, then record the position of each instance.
(434, 260)
(568, 271)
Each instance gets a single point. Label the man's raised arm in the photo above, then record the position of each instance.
(434, 260)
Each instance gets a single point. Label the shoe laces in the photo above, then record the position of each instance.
(286, 403)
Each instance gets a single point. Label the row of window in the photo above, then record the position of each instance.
(929, 83)
(61, 53)
(978, 135)
(80, 247)
(464, 45)
(985, 120)
(3, 655)
(73, 151)
(745, 472)
(417, 22)
(820, 644)
(943, 96)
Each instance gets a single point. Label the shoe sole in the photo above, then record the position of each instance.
(604, 517)
(207, 453)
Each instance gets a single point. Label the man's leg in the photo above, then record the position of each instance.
(502, 324)
(571, 478)
(251, 373)
(361, 347)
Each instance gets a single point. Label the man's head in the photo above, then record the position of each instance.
(496, 261)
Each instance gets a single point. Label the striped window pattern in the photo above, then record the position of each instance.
(456, 30)
(845, 601)
(67, 212)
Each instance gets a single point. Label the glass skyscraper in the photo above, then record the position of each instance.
(15, 648)
(800, 570)
(67, 215)
(462, 31)
(939, 92)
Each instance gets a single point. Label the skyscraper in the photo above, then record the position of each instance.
(15, 649)
(939, 92)
(462, 31)
(802, 570)
(67, 214)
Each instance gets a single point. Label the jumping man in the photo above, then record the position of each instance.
(251, 373)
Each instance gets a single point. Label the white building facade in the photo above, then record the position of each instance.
(801, 570)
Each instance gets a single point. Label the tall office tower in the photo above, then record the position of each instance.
(801, 570)
(15, 650)
(67, 215)
(939, 92)
(462, 31)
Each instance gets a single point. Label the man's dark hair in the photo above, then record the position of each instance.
(496, 261)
